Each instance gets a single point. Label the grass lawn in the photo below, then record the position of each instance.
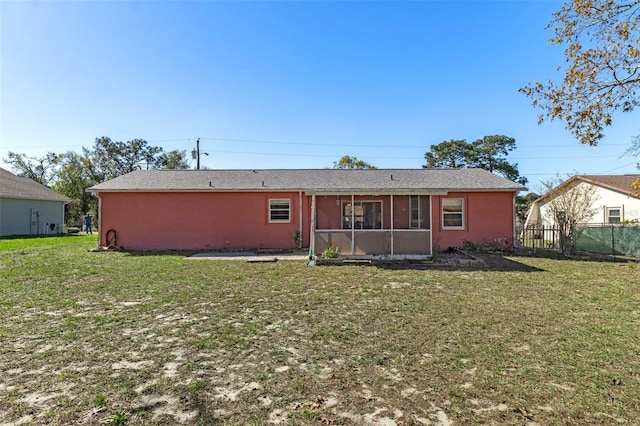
(121, 338)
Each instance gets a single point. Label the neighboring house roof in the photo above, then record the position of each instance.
(12, 186)
(310, 180)
(618, 183)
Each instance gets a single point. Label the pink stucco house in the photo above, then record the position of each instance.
(400, 213)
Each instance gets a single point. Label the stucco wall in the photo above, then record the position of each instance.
(15, 217)
(215, 221)
(198, 221)
(487, 216)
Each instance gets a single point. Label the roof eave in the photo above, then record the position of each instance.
(27, 197)
(317, 191)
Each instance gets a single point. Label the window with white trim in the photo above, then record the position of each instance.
(279, 211)
(362, 215)
(614, 215)
(452, 213)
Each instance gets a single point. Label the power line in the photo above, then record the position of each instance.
(390, 145)
(275, 142)
(618, 168)
(347, 147)
(280, 154)
(395, 158)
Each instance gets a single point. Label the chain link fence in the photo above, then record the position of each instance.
(621, 240)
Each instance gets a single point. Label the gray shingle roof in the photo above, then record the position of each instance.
(310, 180)
(12, 186)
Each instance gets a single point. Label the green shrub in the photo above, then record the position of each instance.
(331, 252)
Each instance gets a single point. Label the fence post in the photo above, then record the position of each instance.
(613, 243)
(533, 239)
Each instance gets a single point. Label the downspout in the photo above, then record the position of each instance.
(301, 243)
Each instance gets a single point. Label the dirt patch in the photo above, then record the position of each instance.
(162, 340)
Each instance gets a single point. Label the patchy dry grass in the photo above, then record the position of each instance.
(120, 338)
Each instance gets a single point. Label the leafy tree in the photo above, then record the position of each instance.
(175, 160)
(41, 170)
(73, 178)
(570, 204)
(347, 162)
(452, 154)
(111, 159)
(488, 153)
(72, 173)
(523, 204)
(602, 51)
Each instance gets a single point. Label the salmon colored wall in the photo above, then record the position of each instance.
(216, 221)
(328, 212)
(401, 212)
(487, 216)
(199, 221)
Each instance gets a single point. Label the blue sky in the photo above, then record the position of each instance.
(291, 84)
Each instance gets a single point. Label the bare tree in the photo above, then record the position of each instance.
(571, 203)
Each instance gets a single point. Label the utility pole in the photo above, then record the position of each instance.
(195, 154)
(198, 149)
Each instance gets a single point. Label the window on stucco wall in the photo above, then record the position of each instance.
(452, 213)
(279, 211)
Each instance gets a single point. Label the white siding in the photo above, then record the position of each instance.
(15, 216)
(606, 198)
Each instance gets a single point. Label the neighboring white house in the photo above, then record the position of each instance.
(615, 200)
(29, 208)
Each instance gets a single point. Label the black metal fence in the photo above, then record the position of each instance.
(535, 236)
(623, 240)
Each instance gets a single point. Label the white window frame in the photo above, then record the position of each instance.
(273, 208)
(460, 213)
(618, 216)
